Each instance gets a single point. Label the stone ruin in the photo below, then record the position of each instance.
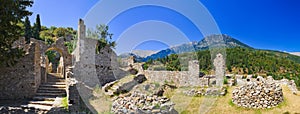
(139, 103)
(258, 93)
(219, 64)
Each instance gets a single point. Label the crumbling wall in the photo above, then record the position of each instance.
(107, 66)
(180, 78)
(22, 80)
(104, 65)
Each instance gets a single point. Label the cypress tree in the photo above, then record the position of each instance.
(27, 30)
(37, 27)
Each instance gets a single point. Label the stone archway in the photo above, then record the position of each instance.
(59, 68)
(65, 57)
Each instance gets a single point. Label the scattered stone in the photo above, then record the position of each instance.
(206, 92)
(139, 103)
(258, 94)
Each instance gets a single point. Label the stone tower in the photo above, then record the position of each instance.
(219, 65)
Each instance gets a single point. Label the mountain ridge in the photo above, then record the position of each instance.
(212, 41)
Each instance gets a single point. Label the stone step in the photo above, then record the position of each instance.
(56, 86)
(46, 98)
(55, 90)
(48, 103)
(51, 89)
(55, 83)
(40, 107)
(51, 94)
(56, 80)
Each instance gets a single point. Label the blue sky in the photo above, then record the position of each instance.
(263, 24)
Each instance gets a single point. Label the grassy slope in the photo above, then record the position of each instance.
(222, 105)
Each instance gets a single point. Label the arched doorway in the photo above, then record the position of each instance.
(54, 63)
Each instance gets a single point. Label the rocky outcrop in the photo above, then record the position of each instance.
(258, 94)
(139, 103)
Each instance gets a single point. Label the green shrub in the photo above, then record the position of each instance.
(225, 81)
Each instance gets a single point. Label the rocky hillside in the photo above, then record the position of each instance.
(213, 41)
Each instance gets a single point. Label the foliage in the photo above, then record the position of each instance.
(103, 36)
(145, 66)
(65, 103)
(50, 35)
(28, 32)
(37, 27)
(47, 36)
(51, 56)
(71, 46)
(225, 81)
(11, 14)
(60, 32)
(244, 61)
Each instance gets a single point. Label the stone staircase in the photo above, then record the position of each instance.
(50, 94)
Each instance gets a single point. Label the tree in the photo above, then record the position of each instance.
(27, 30)
(103, 35)
(47, 36)
(37, 27)
(60, 32)
(11, 13)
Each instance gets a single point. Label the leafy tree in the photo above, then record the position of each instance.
(37, 27)
(11, 13)
(60, 32)
(103, 35)
(47, 36)
(27, 30)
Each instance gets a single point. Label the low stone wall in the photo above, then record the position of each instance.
(179, 78)
(22, 80)
(258, 94)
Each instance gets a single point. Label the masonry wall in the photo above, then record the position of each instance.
(180, 78)
(22, 80)
(107, 66)
(104, 66)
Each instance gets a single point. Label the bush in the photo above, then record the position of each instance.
(225, 81)
(145, 66)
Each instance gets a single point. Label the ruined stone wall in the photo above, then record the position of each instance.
(258, 93)
(22, 80)
(180, 78)
(104, 68)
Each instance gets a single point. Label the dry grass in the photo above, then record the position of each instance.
(101, 102)
(223, 105)
(211, 105)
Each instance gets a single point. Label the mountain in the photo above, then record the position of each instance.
(295, 53)
(143, 53)
(137, 54)
(213, 41)
(126, 55)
